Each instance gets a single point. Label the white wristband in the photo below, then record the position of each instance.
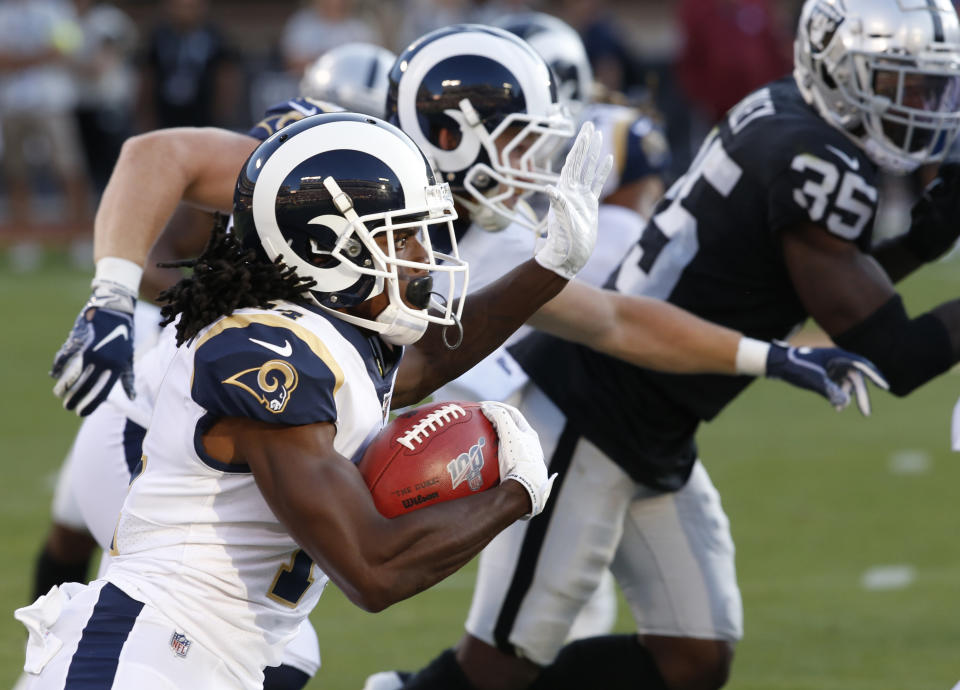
(752, 356)
(123, 272)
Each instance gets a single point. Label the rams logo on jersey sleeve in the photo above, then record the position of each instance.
(268, 367)
(271, 383)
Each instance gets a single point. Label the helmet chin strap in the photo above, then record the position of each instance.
(399, 328)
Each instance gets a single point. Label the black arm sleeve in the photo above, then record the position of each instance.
(909, 352)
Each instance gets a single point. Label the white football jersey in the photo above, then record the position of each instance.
(494, 254)
(196, 539)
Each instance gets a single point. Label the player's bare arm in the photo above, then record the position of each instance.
(154, 172)
(489, 317)
(646, 332)
(850, 295)
(657, 335)
(838, 284)
(322, 500)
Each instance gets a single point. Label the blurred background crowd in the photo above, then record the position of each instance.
(77, 77)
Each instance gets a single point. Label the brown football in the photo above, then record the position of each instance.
(434, 453)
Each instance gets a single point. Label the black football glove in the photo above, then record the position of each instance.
(935, 223)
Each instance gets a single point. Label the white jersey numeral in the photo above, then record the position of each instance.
(669, 241)
(815, 196)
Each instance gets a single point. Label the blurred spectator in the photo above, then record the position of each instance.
(189, 75)
(489, 11)
(107, 82)
(730, 48)
(614, 64)
(37, 98)
(423, 16)
(319, 26)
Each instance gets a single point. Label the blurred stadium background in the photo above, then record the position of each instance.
(846, 528)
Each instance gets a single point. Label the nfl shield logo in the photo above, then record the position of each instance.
(179, 644)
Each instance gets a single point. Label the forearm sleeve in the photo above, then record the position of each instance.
(908, 351)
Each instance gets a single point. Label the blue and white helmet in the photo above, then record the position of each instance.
(561, 46)
(352, 75)
(475, 84)
(885, 72)
(321, 190)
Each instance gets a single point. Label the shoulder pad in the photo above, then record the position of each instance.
(282, 114)
(265, 366)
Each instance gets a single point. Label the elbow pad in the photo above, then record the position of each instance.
(908, 351)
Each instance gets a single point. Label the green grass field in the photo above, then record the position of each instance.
(810, 493)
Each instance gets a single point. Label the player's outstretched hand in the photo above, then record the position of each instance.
(99, 349)
(521, 457)
(832, 372)
(572, 220)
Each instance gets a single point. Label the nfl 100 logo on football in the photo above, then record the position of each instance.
(466, 467)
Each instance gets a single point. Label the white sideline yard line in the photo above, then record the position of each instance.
(888, 577)
(910, 461)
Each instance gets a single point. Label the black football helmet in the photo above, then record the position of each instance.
(476, 84)
(318, 193)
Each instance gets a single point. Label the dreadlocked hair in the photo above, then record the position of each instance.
(226, 276)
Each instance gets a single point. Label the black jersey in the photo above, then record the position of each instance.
(713, 248)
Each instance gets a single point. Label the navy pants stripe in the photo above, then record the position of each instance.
(95, 662)
(133, 435)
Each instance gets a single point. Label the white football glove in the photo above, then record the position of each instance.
(572, 220)
(521, 457)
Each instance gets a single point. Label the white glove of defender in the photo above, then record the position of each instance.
(521, 457)
(572, 220)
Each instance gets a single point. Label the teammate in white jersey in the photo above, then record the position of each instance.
(93, 479)
(261, 408)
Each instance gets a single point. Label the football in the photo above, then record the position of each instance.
(434, 453)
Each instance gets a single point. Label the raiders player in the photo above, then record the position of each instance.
(772, 223)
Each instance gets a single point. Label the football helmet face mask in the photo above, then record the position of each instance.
(886, 72)
(562, 48)
(353, 75)
(321, 192)
(483, 106)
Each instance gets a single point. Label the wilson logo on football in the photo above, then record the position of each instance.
(430, 423)
(467, 467)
